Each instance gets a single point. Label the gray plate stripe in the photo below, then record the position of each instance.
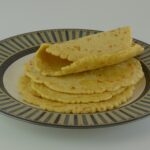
(146, 98)
(66, 120)
(77, 34)
(61, 119)
(119, 115)
(71, 120)
(70, 34)
(132, 111)
(98, 120)
(47, 37)
(111, 117)
(25, 41)
(94, 119)
(146, 60)
(143, 105)
(141, 111)
(8, 47)
(102, 119)
(50, 37)
(13, 45)
(148, 94)
(39, 116)
(73, 34)
(107, 117)
(89, 120)
(57, 119)
(3, 97)
(84, 33)
(6, 102)
(29, 40)
(54, 37)
(23, 111)
(88, 33)
(126, 113)
(34, 114)
(60, 36)
(84, 120)
(140, 108)
(48, 118)
(80, 120)
(44, 117)
(53, 118)
(2, 59)
(57, 36)
(148, 65)
(135, 110)
(80, 33)
(145, 56)
(34, 39)
(75, 120)
(14, 109)
(4, 50)
(37, 38)
(22, 42)
(18, 43)
(67, 35)
(30, 113)
(9, 106)
(43, 37)
(3, 55)
(146, 102)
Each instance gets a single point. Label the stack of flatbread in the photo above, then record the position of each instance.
(90, 74)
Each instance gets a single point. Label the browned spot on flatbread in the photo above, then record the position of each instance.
(77, 47)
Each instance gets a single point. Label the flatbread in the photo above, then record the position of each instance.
(73, 50)
(30, 96)
(109, 79)
(86, 53)
(47, 93)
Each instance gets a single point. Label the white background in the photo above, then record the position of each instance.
(19, 16)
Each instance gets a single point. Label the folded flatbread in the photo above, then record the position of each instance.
(86, 53)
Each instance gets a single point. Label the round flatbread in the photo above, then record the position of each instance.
(31, 97)
(47, 93)
(109, 79)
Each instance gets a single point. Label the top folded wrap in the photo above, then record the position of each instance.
(86, 53)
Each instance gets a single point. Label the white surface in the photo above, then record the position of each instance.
(14, 72)
(18, 16)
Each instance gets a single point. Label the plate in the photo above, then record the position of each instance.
(16, 51)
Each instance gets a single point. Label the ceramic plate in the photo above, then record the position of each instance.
(17, 50)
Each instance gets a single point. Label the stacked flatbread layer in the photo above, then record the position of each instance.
(91, 74)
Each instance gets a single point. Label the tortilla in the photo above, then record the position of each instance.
(30, 96)
(86, 53)
(108, 79)
(47, 93)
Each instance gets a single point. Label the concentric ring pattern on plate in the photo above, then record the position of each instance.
(13, 48)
